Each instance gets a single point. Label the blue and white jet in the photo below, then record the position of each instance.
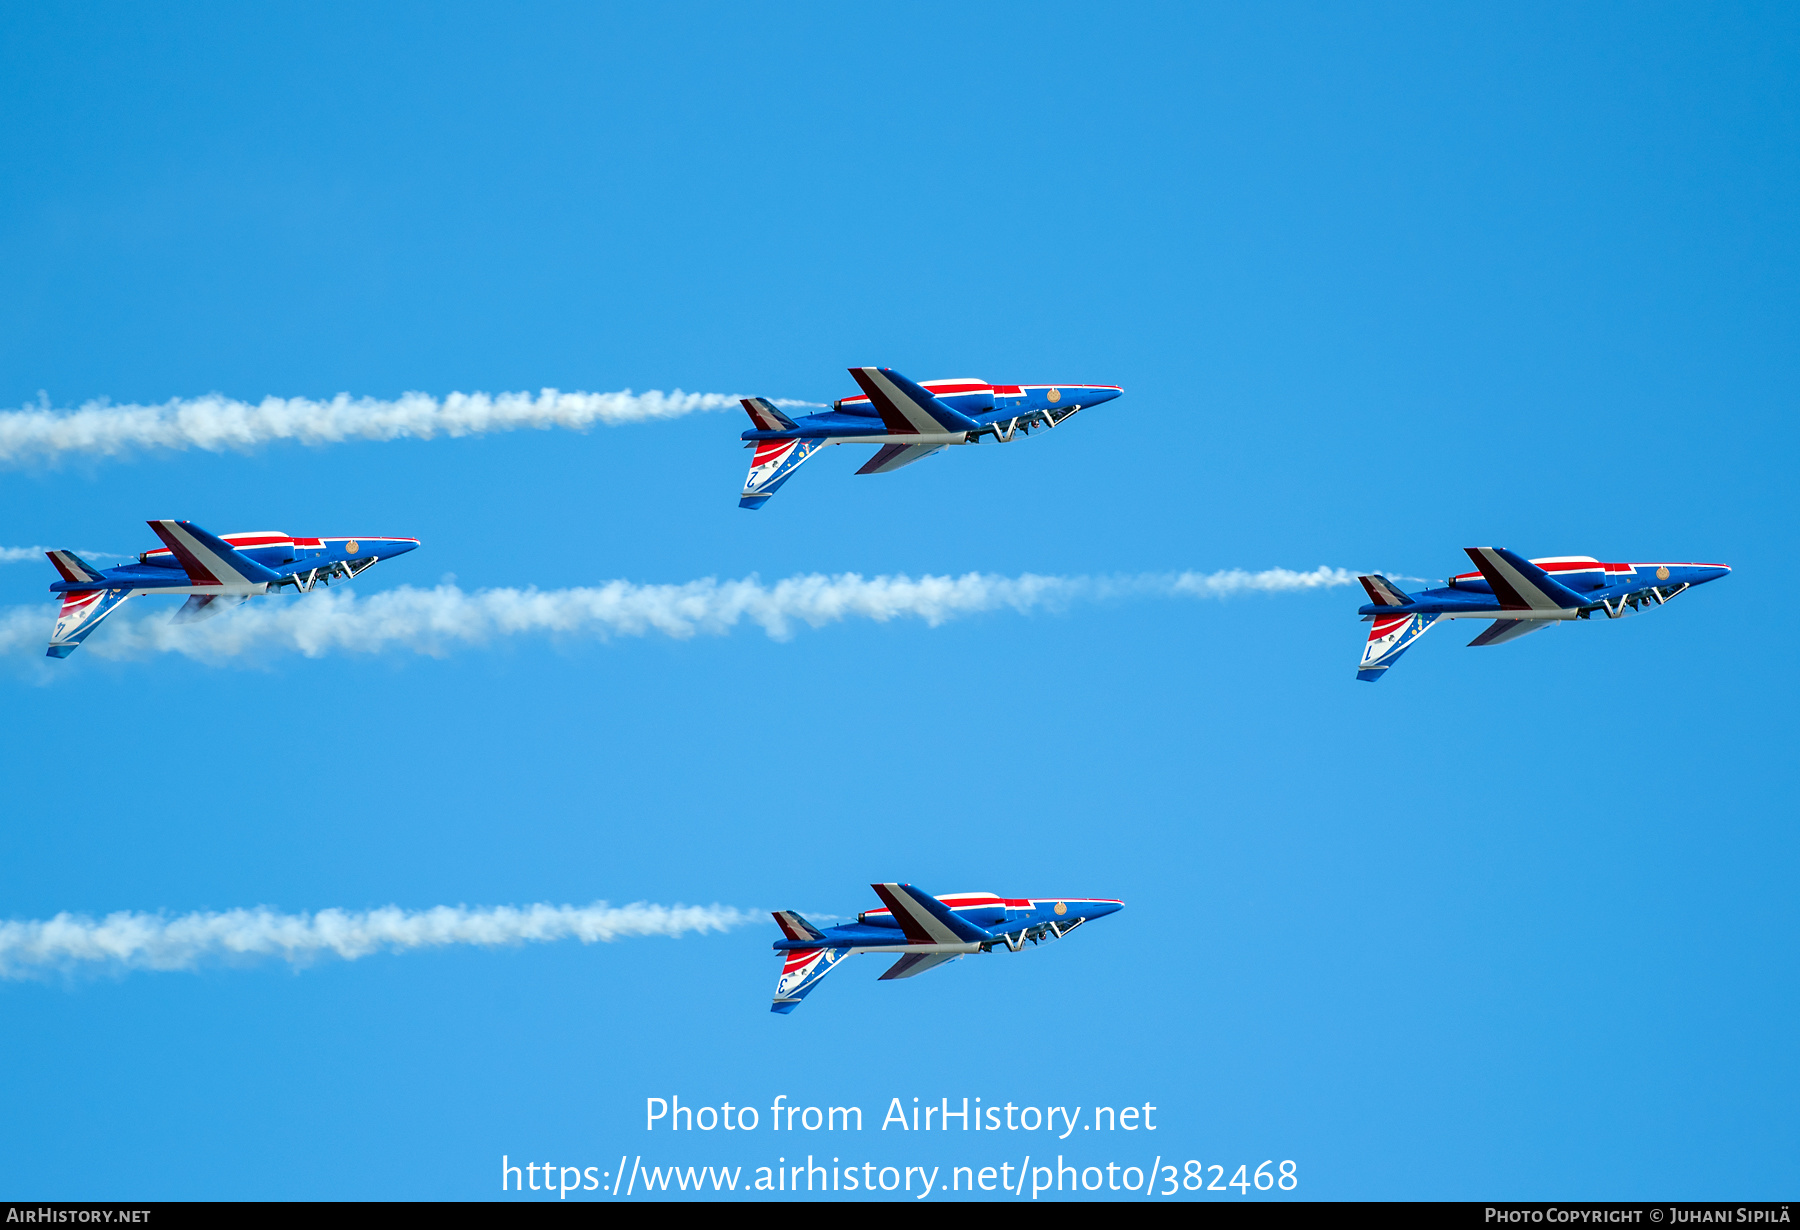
(926, 931)
(910, 422)
(215, 573)
(1519, 595)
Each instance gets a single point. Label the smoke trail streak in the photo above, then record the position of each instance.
(217, 423)
(19, 555)
(126, 940)
(435, 621)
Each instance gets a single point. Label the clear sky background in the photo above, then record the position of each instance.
(1380, 282)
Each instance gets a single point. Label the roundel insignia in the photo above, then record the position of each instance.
(1054, 396)
(1061, 908)
(1662, 574)
(350, 548)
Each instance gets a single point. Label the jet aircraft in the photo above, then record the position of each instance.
(215, 573)
(926, 931)
(1519, 595)
(910, 422)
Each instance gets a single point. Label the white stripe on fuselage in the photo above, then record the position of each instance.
(936, 436)
(1561, 612)
(245, 589)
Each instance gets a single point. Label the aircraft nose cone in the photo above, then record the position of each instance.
(400, 546)
(1100, 395)
(1103, 908)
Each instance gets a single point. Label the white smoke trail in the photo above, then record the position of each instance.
(19, 555)
(127, 940)
(218, 423)
(435, 621)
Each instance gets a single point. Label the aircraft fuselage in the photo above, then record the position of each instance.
(1602, 586)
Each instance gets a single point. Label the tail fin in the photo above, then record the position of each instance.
(763, 413)
(1389, 637)
(73, 567)
(1384, 592)
(772, 465)
(82, 611)
(802, 969)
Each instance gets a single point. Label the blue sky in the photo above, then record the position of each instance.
(1379, 283)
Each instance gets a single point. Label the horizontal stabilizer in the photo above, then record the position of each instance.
(795, 927)
(1503, 630)
(1520, 584)
(925, 919)
(905, 408)
(1384, 592)
(893, 456)
(73, 567)
(1389, 637)
(763, 413)
(915, 963)
(208, 559)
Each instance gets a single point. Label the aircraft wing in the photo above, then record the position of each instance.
(915, 963)
(1503, 630)
(893, 456)
(1520, 584)
(905, 408)
(210, 560)
(925, 919)
(205, 606)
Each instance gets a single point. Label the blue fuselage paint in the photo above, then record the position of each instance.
(161, 570)
(1473, 595)
(881, 929)
(857, 417)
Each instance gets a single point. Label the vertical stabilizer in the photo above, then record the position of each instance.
(802, 969)
(773, 463)
(1389, 637)
(81, 613)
